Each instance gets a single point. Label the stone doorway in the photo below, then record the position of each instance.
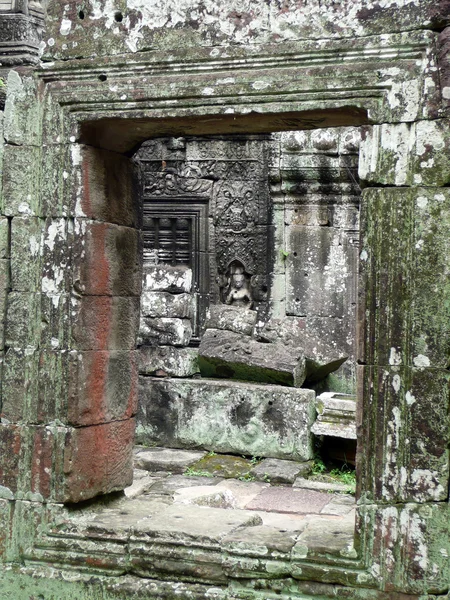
(249, 291)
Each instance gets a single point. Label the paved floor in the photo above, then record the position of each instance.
(169, 498)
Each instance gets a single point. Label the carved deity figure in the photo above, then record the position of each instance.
(237, 286)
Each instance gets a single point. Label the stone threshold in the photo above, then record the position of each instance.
(205, 530)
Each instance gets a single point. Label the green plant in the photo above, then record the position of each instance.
(190, 472)
(344, 475)
(266, 477)
(284, 254)
(318, 466)
(246, 477)
(2, 83)
(255, 460)
(210, 454)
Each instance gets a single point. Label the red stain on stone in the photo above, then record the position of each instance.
(86, 198)
(96, 381)
(41, 467)
(96, 268)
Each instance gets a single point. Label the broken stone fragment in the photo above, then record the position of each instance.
(231, 318)
(320, 358)
(164, 331)
(235, 356)
(336, 415)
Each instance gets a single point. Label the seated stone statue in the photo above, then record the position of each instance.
(238, 290)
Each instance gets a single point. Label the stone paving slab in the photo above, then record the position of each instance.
(176, 482)
(340, 506)
(181, 522)
(322, 538)
(320, 486)
(285, 523)
(166, 459)
(287, 500)
(276, 470)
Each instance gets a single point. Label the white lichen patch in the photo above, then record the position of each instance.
(421, 361)
(396, 383)
(395, 357)
(428, 481)
(66, 26)
(410, 399)
(422, 201)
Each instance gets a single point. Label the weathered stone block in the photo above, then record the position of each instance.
(323, 341)
(403, 256)
(102, 387)
(107, 187)
(163, 304)
(164, 331)
(56, 252)
(35, 386)
(235, 356)
(22, 118)
(241, 418)
(57, 175)
(4, 236)
(164, 278)
(21, 173)
(104, 322)
(408, 547)
(26, 253)
(5, 524)
(55, 310)
(318, 272)
(23, 319)
(106, 259)
(410, 462)
(444, 65)
(20, 385)
(230, 318)
(98, 460)
(10, 444)
(406, 154)
(4, 289)
(174, 362)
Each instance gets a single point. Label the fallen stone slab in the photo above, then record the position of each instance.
(321, 358)
(232, 355)
(166, 459)
(227, 417)
(275, 470)
(230, 318)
